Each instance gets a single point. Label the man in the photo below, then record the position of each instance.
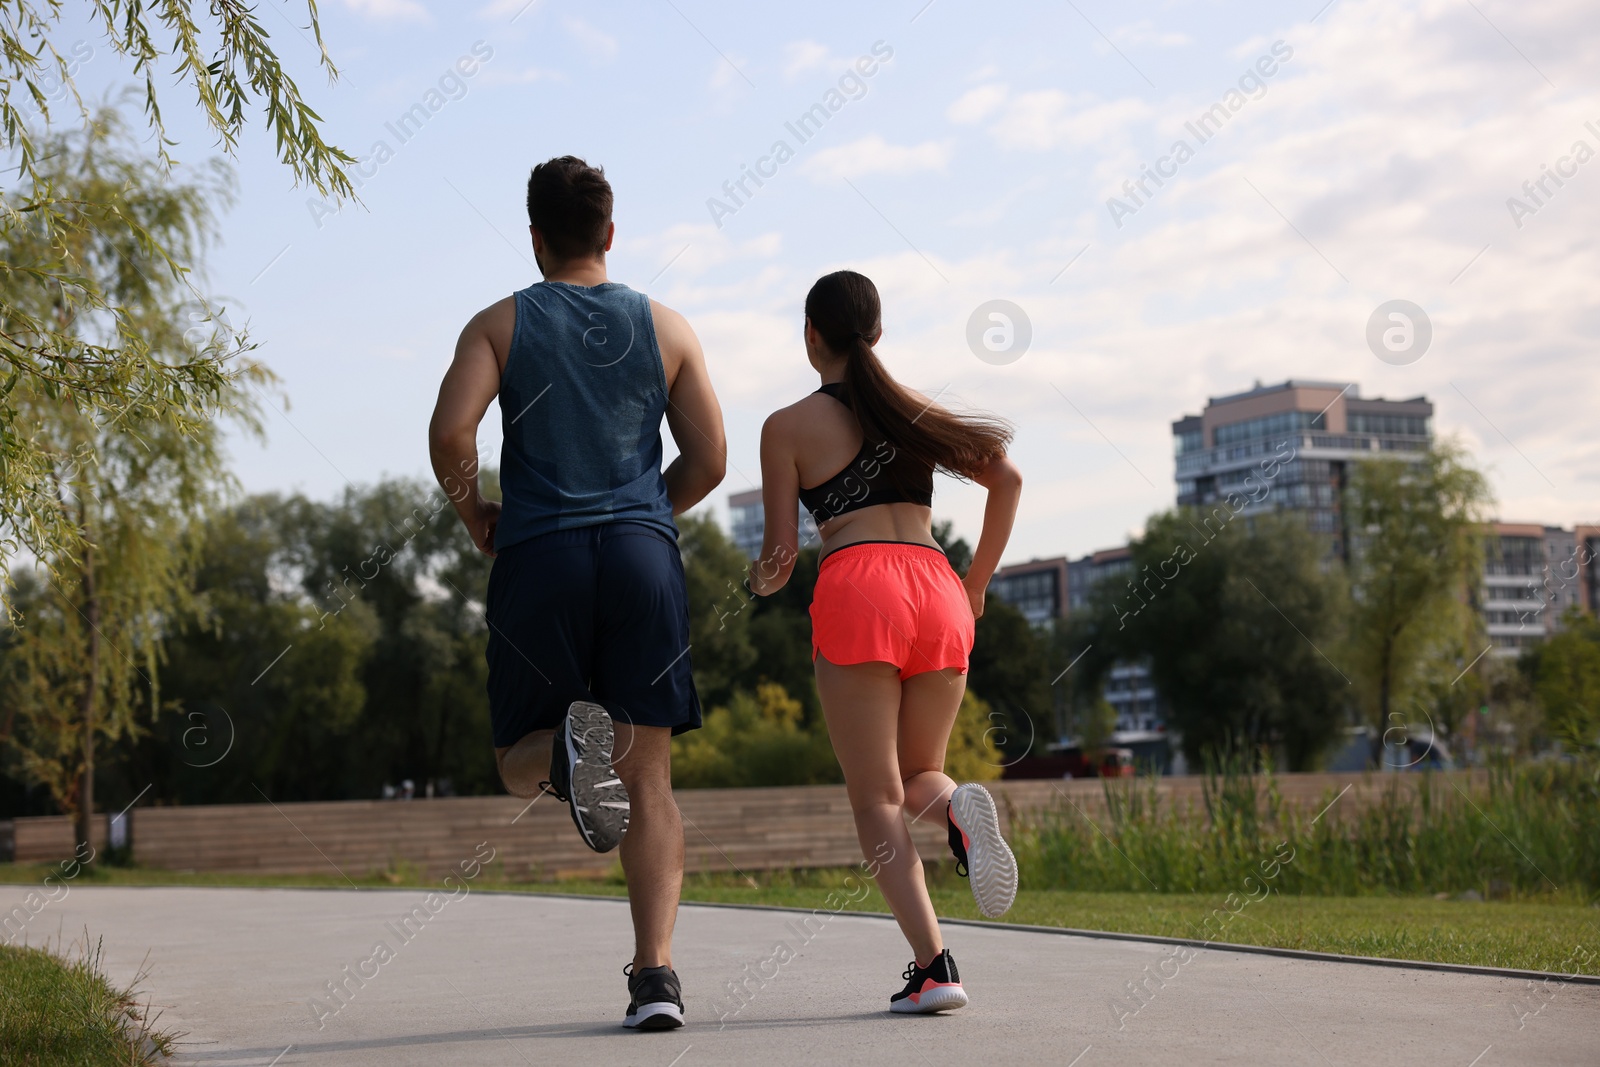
(587, 609)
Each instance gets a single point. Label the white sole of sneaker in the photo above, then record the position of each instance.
(599, 800)
(939, 998)
(657, 1016)
(991, 868)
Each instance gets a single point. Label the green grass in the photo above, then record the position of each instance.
(63, 1013)
(1535, 933)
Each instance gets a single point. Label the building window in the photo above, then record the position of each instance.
(1283, 422)
(1396, 425)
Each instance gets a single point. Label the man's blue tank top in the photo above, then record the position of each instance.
(581, 403)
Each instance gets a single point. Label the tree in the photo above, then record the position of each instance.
(1010, 668)
(128, 488)
(956, 549)
(720, 606)
(1416, 551)
(1566, 671)
(71, 319)
(1233, 626)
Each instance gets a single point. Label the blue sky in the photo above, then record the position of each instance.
(976, 162)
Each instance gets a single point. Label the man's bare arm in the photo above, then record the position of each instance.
(469, 387)
(694, 417)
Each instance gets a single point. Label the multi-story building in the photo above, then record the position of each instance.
(1290, 446)
(1037, 588)
(748, 522)
(1048, 589)
(1532, 575)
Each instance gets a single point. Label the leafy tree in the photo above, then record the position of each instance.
(780, 633)
(720, 604)
(125, 490)
(956, 549)
(84, 261)
(1416, 549)
(1233, 629)
(1566, 670)
(1010, 668)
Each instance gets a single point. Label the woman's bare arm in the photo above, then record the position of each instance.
(1003, 479)
(780, 495)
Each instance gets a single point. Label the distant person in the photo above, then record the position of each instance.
(892, 624)
(587, 610)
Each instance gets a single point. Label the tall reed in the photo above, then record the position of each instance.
(1531, 830)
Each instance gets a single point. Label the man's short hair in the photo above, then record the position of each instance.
(569, 202)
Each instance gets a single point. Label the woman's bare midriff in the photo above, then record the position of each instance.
(880, 522)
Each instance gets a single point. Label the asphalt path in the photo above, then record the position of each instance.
(284, 977)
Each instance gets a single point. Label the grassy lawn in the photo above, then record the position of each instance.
(1533, 934)
(62, 1013)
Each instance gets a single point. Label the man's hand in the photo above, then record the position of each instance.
(482, 517)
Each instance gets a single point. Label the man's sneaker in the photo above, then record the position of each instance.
(936, 987)
(655, 998)
(982, 855)
(581, 774)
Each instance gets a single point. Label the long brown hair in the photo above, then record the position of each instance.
(845, 309)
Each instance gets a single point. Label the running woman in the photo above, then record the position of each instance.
(891, 623)
(587, 609)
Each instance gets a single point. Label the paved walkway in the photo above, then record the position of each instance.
(521, 979)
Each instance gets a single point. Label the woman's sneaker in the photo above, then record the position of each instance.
(655, 998)
(582, 775)
(982, 855)
(936, 987)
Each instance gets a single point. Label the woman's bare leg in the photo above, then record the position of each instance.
(861, 703)
(928, 706)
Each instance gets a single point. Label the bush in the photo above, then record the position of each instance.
(762, 739)
(756, 740)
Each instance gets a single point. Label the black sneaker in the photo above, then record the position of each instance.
(936, 987)
(581, 774)
(982, 855)
(655, 999)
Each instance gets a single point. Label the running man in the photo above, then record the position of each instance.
(588, 613)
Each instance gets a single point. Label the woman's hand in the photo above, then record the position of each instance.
(974, 598)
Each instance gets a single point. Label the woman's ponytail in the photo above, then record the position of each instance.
(845, 309)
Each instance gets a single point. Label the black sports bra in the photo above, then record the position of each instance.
(864, 481)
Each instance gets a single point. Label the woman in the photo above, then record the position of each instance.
(892, 625)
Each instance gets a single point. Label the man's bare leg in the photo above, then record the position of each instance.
(652, 849)
(525, 764)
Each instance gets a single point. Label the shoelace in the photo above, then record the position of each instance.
(550, 790)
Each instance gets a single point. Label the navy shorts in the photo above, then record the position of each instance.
(600, 613)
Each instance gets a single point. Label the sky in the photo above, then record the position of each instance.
(1357, 153)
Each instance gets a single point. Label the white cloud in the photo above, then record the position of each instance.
(873, 155)
(596, 42)
(726, 73)
(502, 8)
(802, 56)
(1050, 118)
(975, 105)
(390, 10)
